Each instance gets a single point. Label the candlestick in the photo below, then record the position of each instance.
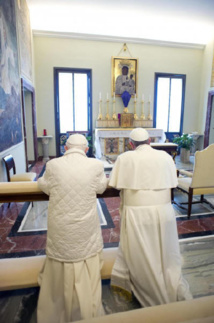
(143, 117)
(100, 109)
(114, 116)
(107, 113)
(135, 114)
(149, 115)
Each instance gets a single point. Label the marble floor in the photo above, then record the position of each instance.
(198, 268)
(15, 242)
(197, 250)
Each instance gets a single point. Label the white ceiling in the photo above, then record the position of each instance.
(185, 21)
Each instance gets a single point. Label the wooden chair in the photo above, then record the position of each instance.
(201, 180)
(11, 167)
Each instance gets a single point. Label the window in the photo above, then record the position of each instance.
(169, 103)
(73, 110)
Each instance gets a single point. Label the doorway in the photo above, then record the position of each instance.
(209, 126)
(29, 123)
(211, 136)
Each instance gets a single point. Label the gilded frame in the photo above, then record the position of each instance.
(117, 63)
(126, 120)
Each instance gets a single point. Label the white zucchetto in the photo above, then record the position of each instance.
(76, 140)
(139, 134)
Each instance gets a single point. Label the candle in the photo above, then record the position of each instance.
(100, 96)
(142, 97)
(107, 96)
(44, 132)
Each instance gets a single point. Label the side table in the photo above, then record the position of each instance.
(45, 146)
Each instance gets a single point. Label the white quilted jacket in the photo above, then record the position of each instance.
(72, 182)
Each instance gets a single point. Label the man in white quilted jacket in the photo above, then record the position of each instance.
(70, 282)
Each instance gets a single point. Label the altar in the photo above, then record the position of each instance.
(111, 142)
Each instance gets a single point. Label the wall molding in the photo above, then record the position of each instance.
(91, 37)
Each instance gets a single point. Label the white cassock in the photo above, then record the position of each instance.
(148, 261)
(70, 291)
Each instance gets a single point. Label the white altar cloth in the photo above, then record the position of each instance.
(158, 134)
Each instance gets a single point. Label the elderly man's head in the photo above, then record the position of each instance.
(77, 141)
(139, 136)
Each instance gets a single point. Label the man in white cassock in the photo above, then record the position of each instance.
(70, 282)
(148, 262)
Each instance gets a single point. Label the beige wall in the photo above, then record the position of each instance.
(50, 52)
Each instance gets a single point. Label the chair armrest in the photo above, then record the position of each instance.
(185, 172)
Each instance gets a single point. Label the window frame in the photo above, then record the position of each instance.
(58, 70)
(170, 135)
